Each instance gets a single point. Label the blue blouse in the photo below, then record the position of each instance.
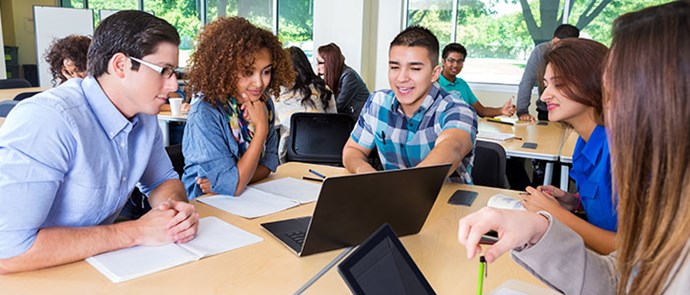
(211, 151)
(592, 173)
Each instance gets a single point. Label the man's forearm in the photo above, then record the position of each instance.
(171, 189)
(60, 245)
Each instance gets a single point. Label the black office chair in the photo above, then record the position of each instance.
(6, 106)
(176, 157)
(318, 138)
(25, 95)
(14, 83)
(489, 167)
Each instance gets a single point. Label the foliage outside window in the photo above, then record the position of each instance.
(296, 24)
(500, 34)
(258, 12)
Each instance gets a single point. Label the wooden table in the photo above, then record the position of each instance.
(164, 118)
(270, 268)
(548, 138)
(566, 157)
(10, 93)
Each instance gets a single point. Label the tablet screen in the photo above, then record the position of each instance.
(381, 265)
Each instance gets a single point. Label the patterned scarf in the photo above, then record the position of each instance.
(242, 131)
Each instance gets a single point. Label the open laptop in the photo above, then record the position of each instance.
(351, 207)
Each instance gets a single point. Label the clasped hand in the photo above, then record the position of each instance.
(170, 221)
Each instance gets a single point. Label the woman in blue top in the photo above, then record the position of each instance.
(229, 140)
(573, 95)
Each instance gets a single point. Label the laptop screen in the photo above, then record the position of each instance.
(381, 265)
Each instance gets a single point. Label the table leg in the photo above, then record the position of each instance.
(565, 170)
(548, 174)
(166, 131)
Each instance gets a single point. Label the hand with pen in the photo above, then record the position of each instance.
(516, 229)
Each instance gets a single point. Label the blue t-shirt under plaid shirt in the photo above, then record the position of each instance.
(404, 142)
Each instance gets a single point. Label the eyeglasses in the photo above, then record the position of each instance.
(166, 72)
(321, 62)
(455, 61)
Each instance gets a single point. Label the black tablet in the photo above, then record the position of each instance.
(381, 265)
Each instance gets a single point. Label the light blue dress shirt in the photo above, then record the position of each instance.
(211, 151)
(69, 158)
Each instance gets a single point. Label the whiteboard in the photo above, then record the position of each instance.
(53, 23)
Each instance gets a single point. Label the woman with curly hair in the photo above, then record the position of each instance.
(350, 90)
(67, 58)
(309, 94)
(229, 140)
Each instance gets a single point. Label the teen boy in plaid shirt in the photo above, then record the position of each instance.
(415, 123)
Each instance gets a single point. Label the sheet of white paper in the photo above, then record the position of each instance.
(134, 262)
(505, 202)
(217, 236)
(251, 203)
(292, 188)
(494, 136)
(515, 287)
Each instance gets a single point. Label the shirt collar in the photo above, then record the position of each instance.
(444, 82)
(428, 100)
(593, 148)
(112, 121)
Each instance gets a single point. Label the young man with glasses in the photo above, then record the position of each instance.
(453, 59)
(66, 176)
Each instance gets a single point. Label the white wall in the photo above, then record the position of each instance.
(3, 69)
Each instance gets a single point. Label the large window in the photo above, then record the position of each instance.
(296, 23)
(183, 15)
(259, 12)
(500, 34)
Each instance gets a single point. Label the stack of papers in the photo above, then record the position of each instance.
(213, 237)
(267, 198)
(494, 136)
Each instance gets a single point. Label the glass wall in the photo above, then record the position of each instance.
(259, 12)
(500, 35)
(296, 24)
(183, 15)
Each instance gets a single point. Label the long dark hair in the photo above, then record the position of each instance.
(334, 65)
(646, 91)
(306, 77)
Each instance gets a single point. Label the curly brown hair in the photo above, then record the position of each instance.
(72, 47)
(226, 48)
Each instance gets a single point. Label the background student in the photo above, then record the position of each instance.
(308, 94)
(66, 176)
(573, 95)
(415, 123)
(453, 59)
(650, 152)
(350, 90)
(67, 58)
(229, 140)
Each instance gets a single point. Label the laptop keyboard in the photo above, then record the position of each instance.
(297, 237)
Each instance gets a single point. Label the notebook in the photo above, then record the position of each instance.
(213, 237)
(351, 207)
(266, 198)
(500, 201)
(495, 136)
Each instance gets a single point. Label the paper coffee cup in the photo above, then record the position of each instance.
(176, 106)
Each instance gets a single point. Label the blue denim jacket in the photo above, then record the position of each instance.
(211, 151)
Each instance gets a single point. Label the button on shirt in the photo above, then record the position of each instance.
(592, 174)
(69, 158)
(459, 88)
(404, 142)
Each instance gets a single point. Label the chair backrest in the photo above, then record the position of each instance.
(6, 106)
(318, 138)
(489, 167)
(176, 157)
(25, 95)
(14, 83)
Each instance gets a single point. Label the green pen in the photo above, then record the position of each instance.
(482, 274)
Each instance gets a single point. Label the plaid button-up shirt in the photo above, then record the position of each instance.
(404, 142)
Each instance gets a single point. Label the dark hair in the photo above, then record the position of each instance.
(226, 50)
(578, 64)
(334, 62)
(418, 36)
(305, 77)
(565, 31)
(647, 86)
(454, 47)
(72, 47)
(132, 32)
